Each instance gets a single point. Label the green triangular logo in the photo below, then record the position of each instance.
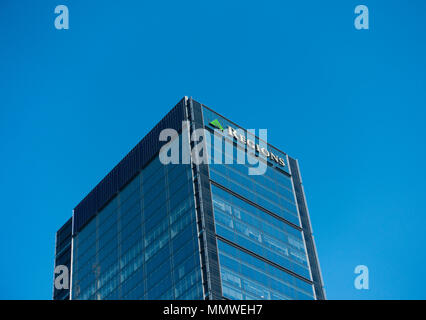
(215, 123)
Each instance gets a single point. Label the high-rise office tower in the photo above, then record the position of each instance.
(200, 227)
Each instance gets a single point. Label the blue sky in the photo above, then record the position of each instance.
(349, 104)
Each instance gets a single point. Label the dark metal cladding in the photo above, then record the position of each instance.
(63, 256)
(307, 229)
(127, 168)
